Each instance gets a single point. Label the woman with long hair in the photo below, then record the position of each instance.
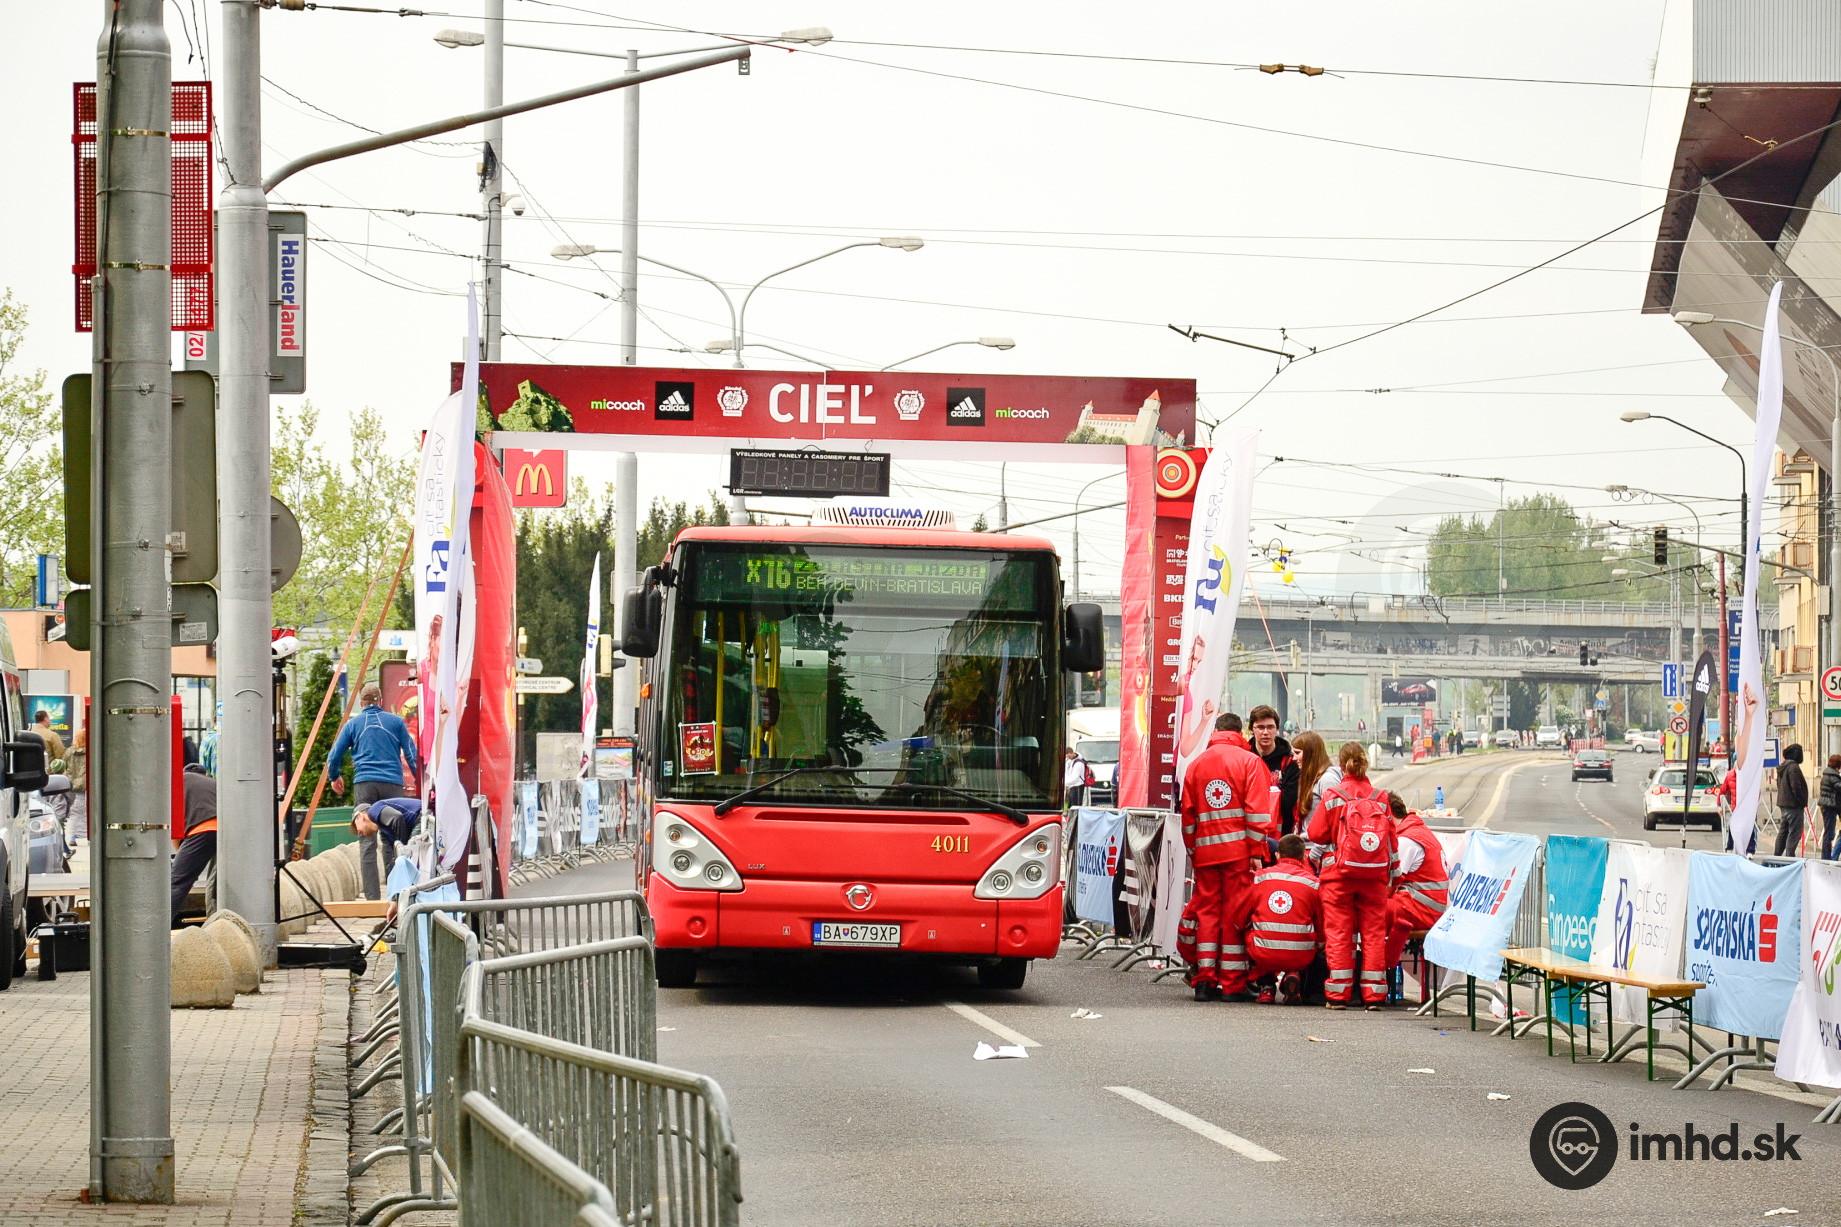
(1314, 771)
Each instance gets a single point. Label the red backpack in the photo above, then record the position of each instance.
(1364, 836)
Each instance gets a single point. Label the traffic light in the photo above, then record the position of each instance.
(1661, 546)
(1585, 655)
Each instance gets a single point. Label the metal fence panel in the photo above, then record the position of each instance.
(601, 995)
(513, 1177)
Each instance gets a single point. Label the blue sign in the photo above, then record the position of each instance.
(1575, 880)
(1099, 834)
(1745, 927)
(1772, 748)
(1486, 890)
(45, 587)
(1671, 680)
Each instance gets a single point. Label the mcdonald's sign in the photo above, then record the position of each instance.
(537, 479)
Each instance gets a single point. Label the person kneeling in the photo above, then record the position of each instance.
(1281, 925)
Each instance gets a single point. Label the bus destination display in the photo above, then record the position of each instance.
(808, 474)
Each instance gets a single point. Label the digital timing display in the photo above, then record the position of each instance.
(808, 474)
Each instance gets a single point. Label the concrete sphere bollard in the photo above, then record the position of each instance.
(201, 974)
(234, 938)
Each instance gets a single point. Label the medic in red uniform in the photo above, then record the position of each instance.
(1227, 816)
(1420, 891)
(1353, 820)
(1279, 921)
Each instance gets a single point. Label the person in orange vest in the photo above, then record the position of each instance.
(1227, 805)
(1358, 871)
(1419, 896)
(1279, 924)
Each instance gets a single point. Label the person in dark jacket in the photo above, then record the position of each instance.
(1275, 752)
(379, 744)
(198, 847)
(1828, 798)
(1792, 801)
(392, 820)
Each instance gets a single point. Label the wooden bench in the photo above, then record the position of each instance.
(1594, 980)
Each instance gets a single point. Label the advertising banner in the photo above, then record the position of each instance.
(590, 690)
(538, 399)
(1748, 712)
(1172, 883)
(1214, 574)
(443, 571)
(1143, 851)
(1475, 928)
(1743, 922)
(1642, 920)
(1098, 835)
(1176, 475)
(1575, 883)
(1811, 1049)
(591, 812)
(527, 819)
(1139, 624)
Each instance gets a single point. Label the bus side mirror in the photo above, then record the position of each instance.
(1083, 648)
(25, 765)
(643, 618)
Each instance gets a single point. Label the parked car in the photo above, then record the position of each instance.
(1592, 765)
(50, 846)
(1665, 799)
(1643, 743)
(1547, 737)
(1507, 739)
(1472, 739)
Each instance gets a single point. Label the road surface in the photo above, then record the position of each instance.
(857, 1100)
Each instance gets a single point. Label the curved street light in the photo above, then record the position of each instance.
(987, 342)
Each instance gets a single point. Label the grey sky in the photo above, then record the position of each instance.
(1077, 227)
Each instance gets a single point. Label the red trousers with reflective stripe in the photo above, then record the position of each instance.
(1349, 908)
(1404, 915)
(1206, 938)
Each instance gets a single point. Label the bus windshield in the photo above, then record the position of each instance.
(886, 673)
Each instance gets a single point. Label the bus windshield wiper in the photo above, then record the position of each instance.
(983, 803)
(755, 790)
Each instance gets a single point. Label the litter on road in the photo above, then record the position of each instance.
(999, 1052)
(1421, 1071)
(1777, 1211)
(1497, 1095)
(1084, 1013)
(1318, 1039)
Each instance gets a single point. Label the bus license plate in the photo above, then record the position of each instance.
(853, 933)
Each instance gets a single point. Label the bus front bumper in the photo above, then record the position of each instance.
(934, 918)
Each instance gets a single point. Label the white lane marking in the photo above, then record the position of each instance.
(1195, 1124)
(990, 1024)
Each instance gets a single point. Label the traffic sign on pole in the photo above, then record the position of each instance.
(544, 685)
(1671, 679)
(1678, 725)
(1831, 683)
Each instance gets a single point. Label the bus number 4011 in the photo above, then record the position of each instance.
(952, 843)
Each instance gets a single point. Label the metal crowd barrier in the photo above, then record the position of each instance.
(517, 1178)
(559, 843)
(499, 927)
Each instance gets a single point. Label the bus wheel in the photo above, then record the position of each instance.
(1004, 973)
(675, 968)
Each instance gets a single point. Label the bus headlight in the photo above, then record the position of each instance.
(687, 858)
(1028, 869)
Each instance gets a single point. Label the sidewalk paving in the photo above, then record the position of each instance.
(257, 1106)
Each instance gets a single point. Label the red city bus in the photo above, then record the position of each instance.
(850, 738)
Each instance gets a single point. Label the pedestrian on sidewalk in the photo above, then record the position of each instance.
(1828, 798)
(198, 846)
(1792, 801)
(54, 745)
(393, 821)
(76, 766)
(378, 742)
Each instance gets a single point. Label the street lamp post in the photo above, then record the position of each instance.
(1078, 495)
(1692, 319)
(987, 342)
(1699, 535)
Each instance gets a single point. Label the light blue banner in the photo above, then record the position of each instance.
(1099, 835)
(1575, 881)
(1745, 930)
(527, 819)
(591, 811)
(1485, 893)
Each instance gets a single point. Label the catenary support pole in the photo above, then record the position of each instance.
(247, 838)
(626, 563)
(1833, 740)
(626, 464)
(491, 192)
(131, 418)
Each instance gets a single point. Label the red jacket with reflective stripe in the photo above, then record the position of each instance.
(1429, 883)
(1325, 820)
(1227, 804)
(1281, 918)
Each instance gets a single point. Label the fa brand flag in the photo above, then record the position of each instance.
(1472, 934)
(1214, 576)
(1811, 1049)
(1642, 921)
(1743, 924)
(590, 697)
(1749, 711)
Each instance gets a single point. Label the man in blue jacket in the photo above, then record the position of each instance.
(379, 744)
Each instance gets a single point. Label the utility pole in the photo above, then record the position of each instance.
(492, 207)
(131, 1136)
(626, 464)
(246, 838)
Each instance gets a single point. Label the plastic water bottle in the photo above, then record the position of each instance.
(1438, 797)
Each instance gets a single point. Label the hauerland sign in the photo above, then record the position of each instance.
(816, 406)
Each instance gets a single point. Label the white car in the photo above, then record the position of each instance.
(1663, 800)
(1643, 743)
(1507, 739)
(1547, 737)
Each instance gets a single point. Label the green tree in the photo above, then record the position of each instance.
(319, 676)
(31, 427)
(1544, 549)
(354, 517)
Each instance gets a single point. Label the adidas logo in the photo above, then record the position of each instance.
(965, 409)
(675, 401)
(966, 406)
